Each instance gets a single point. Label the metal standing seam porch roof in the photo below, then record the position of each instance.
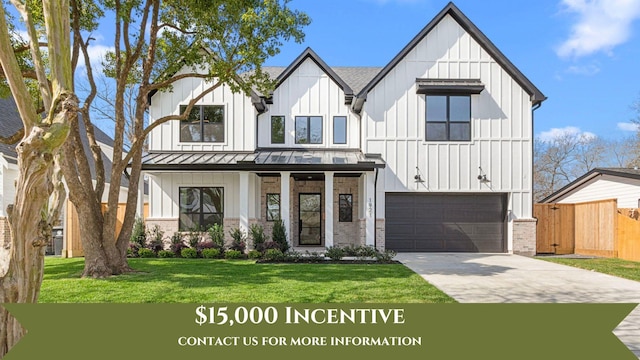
(263, 160)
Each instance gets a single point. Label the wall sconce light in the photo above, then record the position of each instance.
(482, 177)
(418, 178)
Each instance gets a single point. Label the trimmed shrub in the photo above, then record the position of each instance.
(271, 245)
(254, 254)
(385, 256)
(155, 239)
(189, 253)
(334, 253)
(216, 233)
(239, 240)
(351, 250)
(256, 233)
(138, 234)
(232, 254)
(314, 256)
(210, 253)
(146, 253)
(177, 244)
(166, 254)
(273, 255)
(279, 235)
(293, 256)
(193, 238)
(207, 244)
(132, 251)
(367, 252)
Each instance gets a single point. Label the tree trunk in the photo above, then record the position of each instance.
(22, 276)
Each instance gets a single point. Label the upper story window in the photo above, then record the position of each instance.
(448, 118)
(339, 129)
(308, 129)
(277, 129)
(205, 123)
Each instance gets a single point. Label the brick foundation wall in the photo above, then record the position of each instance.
(346, 233)
(524, 237)
(268, 185)
(380, 234)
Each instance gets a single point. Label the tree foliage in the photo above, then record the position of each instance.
(156, 44)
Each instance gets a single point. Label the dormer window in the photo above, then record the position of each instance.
(205, 123)
(308, 129)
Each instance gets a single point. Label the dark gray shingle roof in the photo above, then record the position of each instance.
(357, 77)
(10, 123)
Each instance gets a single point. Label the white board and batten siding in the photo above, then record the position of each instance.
(625, 190)
(239, 113)
(164, 191)
(501, 123)
(308, 91)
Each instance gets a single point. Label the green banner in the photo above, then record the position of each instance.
(292, 331)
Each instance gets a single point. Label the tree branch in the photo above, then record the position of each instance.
(163, 25)
(10, 140)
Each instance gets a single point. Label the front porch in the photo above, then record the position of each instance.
(324, 198)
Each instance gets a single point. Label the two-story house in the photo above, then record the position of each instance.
(432, 152)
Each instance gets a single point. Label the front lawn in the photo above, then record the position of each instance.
(616, 267)
(204, 280)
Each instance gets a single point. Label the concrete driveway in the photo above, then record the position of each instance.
(505, 278)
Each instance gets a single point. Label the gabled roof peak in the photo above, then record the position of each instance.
(308, 53)
(452, 10)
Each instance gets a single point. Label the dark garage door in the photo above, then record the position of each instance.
(445, 222)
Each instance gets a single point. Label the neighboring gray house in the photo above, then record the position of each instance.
(432, 152)
(10, 122)
(621, 184)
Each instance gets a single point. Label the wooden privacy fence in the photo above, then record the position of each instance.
(595, 228)
(72, 230)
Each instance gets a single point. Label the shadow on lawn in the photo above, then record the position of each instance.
(206, 273)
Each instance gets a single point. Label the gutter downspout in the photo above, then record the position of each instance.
(375, 210)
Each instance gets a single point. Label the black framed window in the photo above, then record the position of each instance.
(200, 207)
(273, 207)
(277, 129)
(339, 129)
(308, 129)
(205, 123)
(448, 118)
(345, 204)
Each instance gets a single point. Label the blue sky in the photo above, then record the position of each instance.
(584, 55)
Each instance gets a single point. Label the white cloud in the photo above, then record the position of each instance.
(628, 126)
(97, 53)
(601, 25)
(568, 131)
(587, 70)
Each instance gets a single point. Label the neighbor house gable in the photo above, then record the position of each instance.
(600, 184)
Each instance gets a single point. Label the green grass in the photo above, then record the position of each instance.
(204, 280)
(617, 267)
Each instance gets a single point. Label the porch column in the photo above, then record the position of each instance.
(243, 189)
(369, 204)
(285, 212)
(140, 203)
(328, 209)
